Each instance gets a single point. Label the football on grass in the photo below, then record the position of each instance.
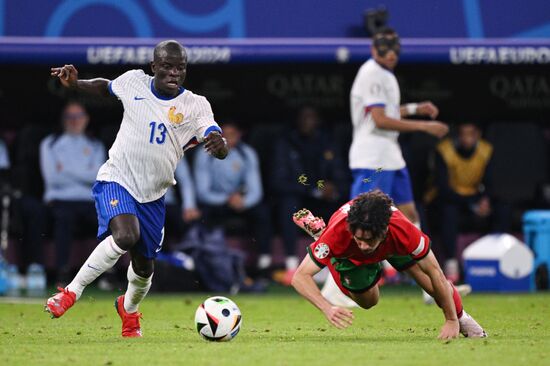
(218, 319)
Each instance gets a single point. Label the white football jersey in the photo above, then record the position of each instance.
(372, 147)
(154, 133)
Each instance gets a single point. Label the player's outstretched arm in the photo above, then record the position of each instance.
(68, 75)
(303, 283)
(435, 128)
(443, 294)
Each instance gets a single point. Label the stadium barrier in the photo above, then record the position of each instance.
(115, 51)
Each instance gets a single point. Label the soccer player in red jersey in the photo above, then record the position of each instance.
(358, 237)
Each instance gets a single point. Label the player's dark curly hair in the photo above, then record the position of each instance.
(371, 211)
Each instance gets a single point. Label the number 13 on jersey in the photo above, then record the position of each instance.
(158, 133)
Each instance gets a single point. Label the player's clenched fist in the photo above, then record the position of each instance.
(427, 109)
(339, 317)
(215, 145)
(68, 75)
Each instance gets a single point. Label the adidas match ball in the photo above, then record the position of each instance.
(218, 319)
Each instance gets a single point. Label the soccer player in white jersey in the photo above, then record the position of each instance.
(378, 118)
(161, 120)
(375, 158)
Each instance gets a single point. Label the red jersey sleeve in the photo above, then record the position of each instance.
(320, 251)
(410, 240)
(334, 239)
(419, 244)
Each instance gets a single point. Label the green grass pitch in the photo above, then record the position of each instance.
(278, 329)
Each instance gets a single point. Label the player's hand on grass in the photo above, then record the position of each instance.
(339, 317)
(450, 330)
(427, 109)
(436, 128)
(216, 146)
(68, 75)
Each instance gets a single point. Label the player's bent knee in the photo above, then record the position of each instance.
(363, 303)
(366, 300)
(367, 304)
(126, 238)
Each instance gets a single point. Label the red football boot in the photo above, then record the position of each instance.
(130, 322)
(58, 304)
(312, 225)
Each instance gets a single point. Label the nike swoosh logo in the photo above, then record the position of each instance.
(94, 268)
(139, 98)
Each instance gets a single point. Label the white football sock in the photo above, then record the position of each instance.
(104, 257)
(332, 293)
(138, 287)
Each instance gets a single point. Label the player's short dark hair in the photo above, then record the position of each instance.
(371, 212)
(167, 47)
(384, 31)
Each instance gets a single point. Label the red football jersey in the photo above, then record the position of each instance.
(403, 238)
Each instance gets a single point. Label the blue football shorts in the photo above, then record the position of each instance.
(111, 200)
(395, 183)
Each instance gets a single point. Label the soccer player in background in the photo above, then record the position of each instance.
(359, 236)
(161, 121)
(375, 158)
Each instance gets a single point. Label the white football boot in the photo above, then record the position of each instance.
(469, 327)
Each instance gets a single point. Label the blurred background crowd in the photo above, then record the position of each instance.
(288, 126)
(272, 171)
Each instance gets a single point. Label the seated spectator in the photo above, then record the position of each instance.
(233, 187)
(181, 210)
(69, 163)
(463, 168)
(307, 172)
